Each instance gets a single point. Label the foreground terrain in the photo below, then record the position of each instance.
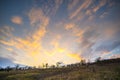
(105, 70)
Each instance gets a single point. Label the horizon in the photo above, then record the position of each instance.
(35, 32)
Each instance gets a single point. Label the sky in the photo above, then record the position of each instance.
(35, 32)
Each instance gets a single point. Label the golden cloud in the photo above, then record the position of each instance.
(6, 43)
(69, 26)
(75, 56)
(56, 44)
(17, 20)
(9, 49)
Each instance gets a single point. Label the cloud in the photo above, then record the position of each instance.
(76, 31)
(50, 7)
(57, 4)
(6, 43)
(86, 10)
(83, 39)
(115, 56)
(72, 4)
(37, 17)
(75, 56)
(95, 39)
(55, 42)
(101, 4)
(6, 31)
(9, 49)
(17, 20)
(69, 26)
(83, 6)
(104, 14)
(31, 45)
(49, 39)
(108, 46)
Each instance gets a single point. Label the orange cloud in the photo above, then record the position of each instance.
(17, 20)
(105, 53)
(69, 26)
(75, 56)
(56, 44)
(6, 43)
(37, 17)
(75, 31)
(9, 49)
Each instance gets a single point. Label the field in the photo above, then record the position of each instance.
(105, 71)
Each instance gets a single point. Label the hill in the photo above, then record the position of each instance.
(100, 70)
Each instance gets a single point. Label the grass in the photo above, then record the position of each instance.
(93, 72)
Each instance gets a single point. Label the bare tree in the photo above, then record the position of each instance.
(58, 64)
(98, 59)
(46, 65)
(17, 67)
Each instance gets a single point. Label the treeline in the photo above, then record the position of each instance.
(107, 61)
(46, 66)
(17, 67)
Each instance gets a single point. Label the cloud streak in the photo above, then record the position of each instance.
(85, 5)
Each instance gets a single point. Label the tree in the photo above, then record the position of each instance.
(52, 66)
(17, 67)
(1, 69)
(98, 59)
(8, 68)
(46, 65)
(58, 64)
(83, 62)
(34, 67)
(43, 65)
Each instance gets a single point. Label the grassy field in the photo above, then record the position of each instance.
(92, 72)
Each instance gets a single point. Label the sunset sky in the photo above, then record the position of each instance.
(33, 32)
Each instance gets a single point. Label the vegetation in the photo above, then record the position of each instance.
(99, 70)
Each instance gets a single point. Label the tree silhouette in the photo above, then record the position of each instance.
(53, 66)
(83, 62)
(98, 59)
(17, 67)
(8, 68)
(43, 65)
(58, 64)
(46, 65)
